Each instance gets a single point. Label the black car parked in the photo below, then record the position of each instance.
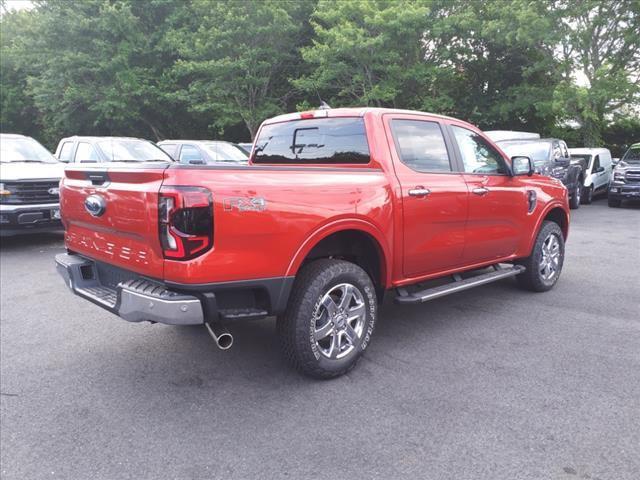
(550, 157)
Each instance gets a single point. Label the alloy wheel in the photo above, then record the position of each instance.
(549, 265)
(339, 320)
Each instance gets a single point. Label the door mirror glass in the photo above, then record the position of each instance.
(522, 166)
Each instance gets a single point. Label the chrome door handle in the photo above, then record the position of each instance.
(419, 192)
(480, 191)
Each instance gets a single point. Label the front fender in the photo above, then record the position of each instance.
(560, 206)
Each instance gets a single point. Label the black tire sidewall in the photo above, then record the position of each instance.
(324, 276)
(547, 229)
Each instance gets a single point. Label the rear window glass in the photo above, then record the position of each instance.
(319, 140)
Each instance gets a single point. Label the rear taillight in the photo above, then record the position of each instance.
(185, 216)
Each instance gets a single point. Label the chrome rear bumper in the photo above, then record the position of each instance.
(136, 300)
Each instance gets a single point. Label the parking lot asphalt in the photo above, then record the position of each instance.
(492, 383)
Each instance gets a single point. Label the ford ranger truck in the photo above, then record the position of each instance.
(337, 208)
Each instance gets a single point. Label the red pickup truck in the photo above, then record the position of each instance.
(337, 208)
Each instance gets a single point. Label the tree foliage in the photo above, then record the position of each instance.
(601, 47)
(209, 68)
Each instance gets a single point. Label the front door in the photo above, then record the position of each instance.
(498, 202)
(434, 195)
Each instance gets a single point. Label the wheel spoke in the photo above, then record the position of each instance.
(330, 306)
(323, 331)
(351, 334)
(334, 348)
(356, 312)
(347, 297)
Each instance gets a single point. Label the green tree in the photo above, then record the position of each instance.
(600, 55)
(96, 67)
(501, 58)
(236, 57)
(366, 52)
(18, 113)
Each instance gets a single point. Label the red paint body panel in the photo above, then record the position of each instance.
(418, 238)
(126, 234)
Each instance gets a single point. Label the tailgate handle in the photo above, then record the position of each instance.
(97, 178)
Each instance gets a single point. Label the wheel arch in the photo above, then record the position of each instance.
(555, 213)
(355, 240)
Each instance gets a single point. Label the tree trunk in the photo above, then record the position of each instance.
(156, 133)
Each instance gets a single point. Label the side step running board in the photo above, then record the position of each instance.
(458, 285)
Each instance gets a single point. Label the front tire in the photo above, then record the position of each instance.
(330, 318)
(544, 265)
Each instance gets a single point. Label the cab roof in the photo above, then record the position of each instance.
(349, 112)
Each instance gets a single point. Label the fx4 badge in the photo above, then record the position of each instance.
(251, 204)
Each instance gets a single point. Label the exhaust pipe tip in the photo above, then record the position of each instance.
(225, 341)
(220, 335)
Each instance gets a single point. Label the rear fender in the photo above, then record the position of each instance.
(341, 225)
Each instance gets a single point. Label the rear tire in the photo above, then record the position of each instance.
(614, 202)
(587, 195)
(544, 265)
(330, 318)
(574, 199)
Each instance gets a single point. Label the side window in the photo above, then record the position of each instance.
(420, 145)
(86, 153)
(190, 154)
(66, 152)
(565, 150)
(557, 151)
(596, 163)
(478, 155)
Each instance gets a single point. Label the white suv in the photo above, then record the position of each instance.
(597, 170)
(29, 186)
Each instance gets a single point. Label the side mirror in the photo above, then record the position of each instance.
(522, 166)
(600, 170)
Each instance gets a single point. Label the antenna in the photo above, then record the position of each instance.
(323, 105)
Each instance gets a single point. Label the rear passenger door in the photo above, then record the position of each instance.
(434, 195)
(498, 202)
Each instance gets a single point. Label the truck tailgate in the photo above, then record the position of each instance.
(125, 233)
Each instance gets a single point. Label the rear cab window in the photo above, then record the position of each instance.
(340, 140)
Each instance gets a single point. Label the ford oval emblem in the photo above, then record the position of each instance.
(95, 205)
(54, 191)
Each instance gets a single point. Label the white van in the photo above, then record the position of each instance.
(598, 167)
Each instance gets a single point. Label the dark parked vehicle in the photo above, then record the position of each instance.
(29, 186)
(551, 158)
(109, 149)
(205, 152)
(625, 184)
